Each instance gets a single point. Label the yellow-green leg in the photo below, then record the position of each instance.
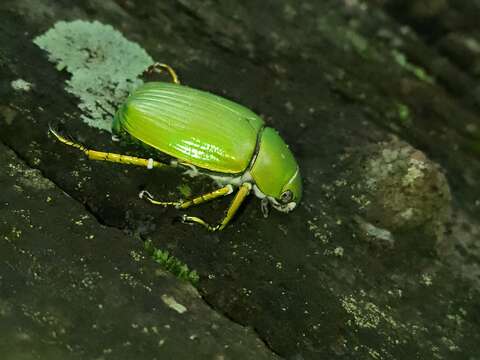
(183, 204)
(159, 68)
(242, 193)
(107, 156)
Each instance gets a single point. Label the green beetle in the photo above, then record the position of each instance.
(210, 135)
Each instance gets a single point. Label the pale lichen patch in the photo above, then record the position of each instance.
(30, 178)
(427, 279)
(105, 66)
(365, 314)
(414, 172)
(338, 251)
(8, 114)
(173, 304)
(374, 233)
(21, 85)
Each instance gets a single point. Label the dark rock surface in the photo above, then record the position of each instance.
(73, 289)
(379, 117)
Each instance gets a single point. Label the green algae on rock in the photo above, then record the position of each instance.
(104, 65)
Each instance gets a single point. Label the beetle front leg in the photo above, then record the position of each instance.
(242, 193)
(183, 204)
(159, 68)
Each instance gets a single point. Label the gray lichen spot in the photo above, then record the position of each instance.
(30, 178)
(104, 65)
(173, 304)
(375, 234)
(338, 251)
(365, 314)
(21, 85)
(5, 308)
(8, 114)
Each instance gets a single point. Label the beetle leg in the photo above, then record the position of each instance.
(183, 204)
(159, 68)
(235, 204)
(107, 156)
(264, 207)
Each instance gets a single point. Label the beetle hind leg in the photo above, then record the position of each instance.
(107, 156)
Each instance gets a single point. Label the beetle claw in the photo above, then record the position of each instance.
(184, 219)
(178, 219)
(144, 193)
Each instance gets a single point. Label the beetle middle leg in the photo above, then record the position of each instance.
(234, 206)
(183, 204)
(160, 67)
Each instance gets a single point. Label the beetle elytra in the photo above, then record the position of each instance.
(210, 135)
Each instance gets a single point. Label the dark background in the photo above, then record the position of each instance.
(379, 102)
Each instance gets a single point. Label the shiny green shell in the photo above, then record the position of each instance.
(275, 169)
(191, 125)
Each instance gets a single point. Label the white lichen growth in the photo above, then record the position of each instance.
(365, 314)
(414, 172)
(379, 234)
(8, 114)
(29, 178)
(338, 251)
(173, 304)
(104, 65)
(21, 85)
(427, 280)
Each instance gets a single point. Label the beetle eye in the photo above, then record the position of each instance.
(286, 197)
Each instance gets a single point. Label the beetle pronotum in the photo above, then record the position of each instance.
(208, 134)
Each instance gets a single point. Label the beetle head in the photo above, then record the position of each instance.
(276, 173)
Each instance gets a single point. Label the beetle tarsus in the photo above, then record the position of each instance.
(160, 67)
(67, 141)
(144, 193)
(177, 219)
(196, 220)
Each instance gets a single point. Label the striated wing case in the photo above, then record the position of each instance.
(191, 125)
